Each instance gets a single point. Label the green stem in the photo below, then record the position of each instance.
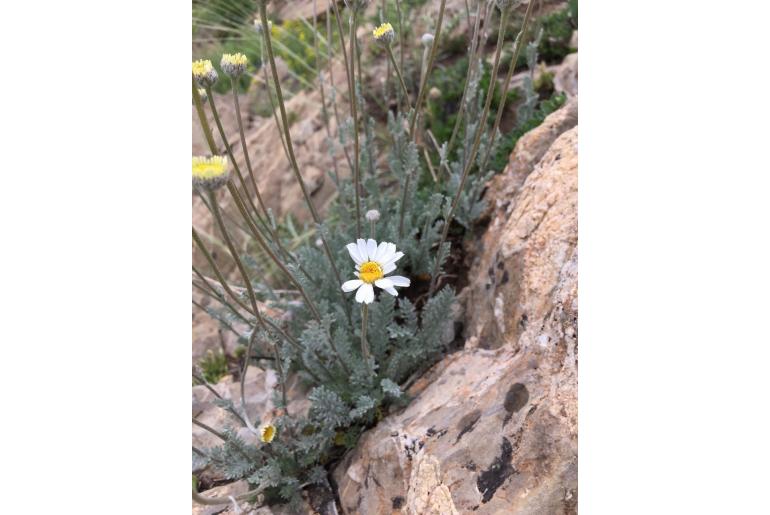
(354, 115)
(400, 77)
(403, 206)
(364, 343)
(518, 44)
(421, 95)
(217, 272)
(245, 148)
(222, 299)
(202, 117)
(292, 157)
(400, 34)
(324, 110)
(472, 58)
(474, 150)
(282, 377)
(262, 243)
(229, 150)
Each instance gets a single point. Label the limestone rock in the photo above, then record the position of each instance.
(493, 428)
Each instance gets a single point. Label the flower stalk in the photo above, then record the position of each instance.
(518, 44)
(431, 59)
(474, 150)
(290, 147)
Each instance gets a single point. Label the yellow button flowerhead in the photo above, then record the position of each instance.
(210, 173)
(233, 64)
(204, 73)
(384, 33)
(373, 262)
(267, 432)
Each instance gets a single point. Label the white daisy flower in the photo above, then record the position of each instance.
(372, 263)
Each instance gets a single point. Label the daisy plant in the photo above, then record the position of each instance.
(300, 319)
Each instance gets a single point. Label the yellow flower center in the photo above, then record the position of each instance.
(268, 433)
(370, 272)
(382, 30)
(235, 58)
(201, 67)
(209, 167)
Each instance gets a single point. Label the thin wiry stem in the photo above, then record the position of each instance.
(279, 367)
(249, 289)
(245, 147)
(205, 383)
(474, 150)
(400, 34)
(218, 319)
(330, 60)
(324, 111)
(292, 158)
(364, 343)
(421, 95)
(404, 193)
(472, 58)
(262, 243)
(217, 120)
(518, 44)
(202, 117)
(400, 77)
(217, 272)
(354, 115)
(222, 437)
(218, 295)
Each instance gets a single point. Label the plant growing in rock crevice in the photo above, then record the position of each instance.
(356, 351)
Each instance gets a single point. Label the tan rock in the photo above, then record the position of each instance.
(493, 428)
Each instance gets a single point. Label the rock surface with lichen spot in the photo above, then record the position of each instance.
(493, 428)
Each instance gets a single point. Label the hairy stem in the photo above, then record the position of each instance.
(229, 151)
(292, 157)
(472, 58)
(364, 343)
(202, 117)
(400, 77)
(354, 115)
(217, 272)
(244, 147)
(262, 243)
(518, 44)
(474, 150)
(431, 59)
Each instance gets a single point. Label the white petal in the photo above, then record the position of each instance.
(396, 257)
(383, 283)
(365, 294)
(392, 291)
(399, 280)
(386, 269)
(354, 254)
(362, 249)
(381, 251)
(371, 248)
(351, 285)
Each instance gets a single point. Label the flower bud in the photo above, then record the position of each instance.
(427, 39)
(384, 33)
(234, 64)
(372, 215)
(204, 73)
(210, 173)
